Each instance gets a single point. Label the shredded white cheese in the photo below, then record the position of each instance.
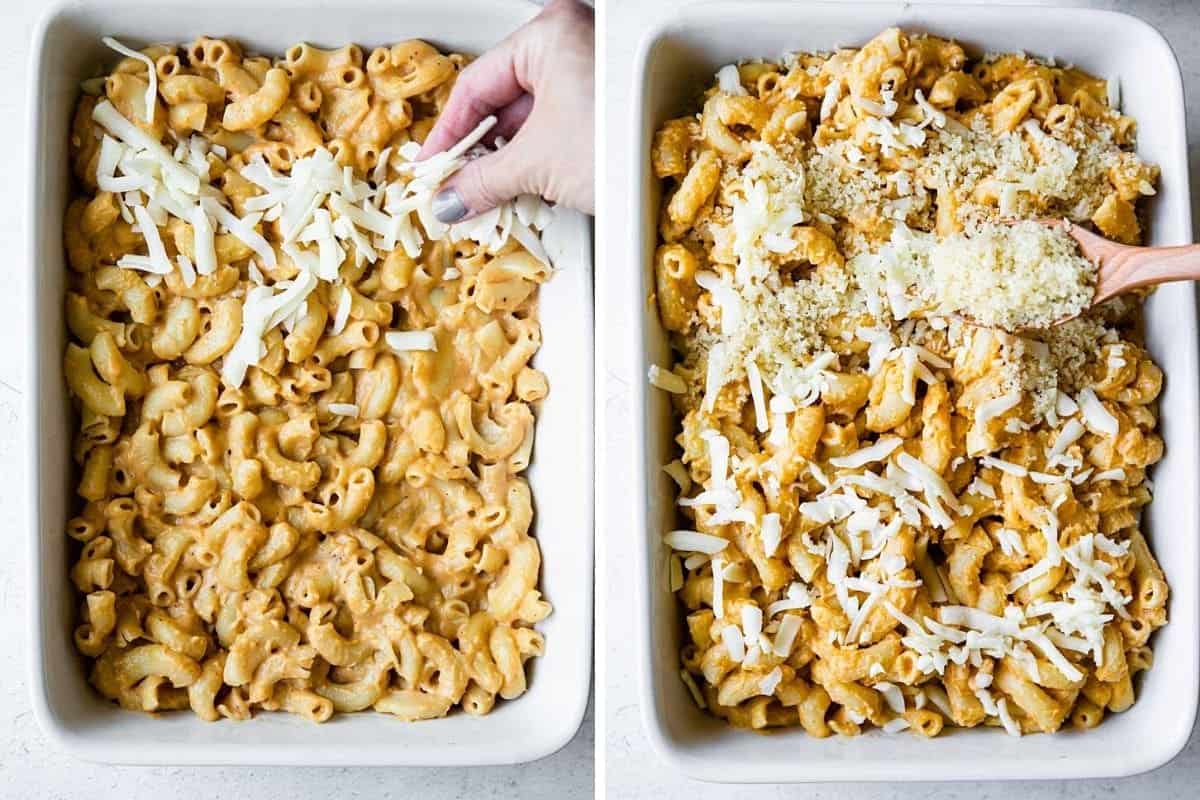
(1010, 725)
(341, 314)
(833, 93)
(771, 682)
(151, 76)
(881, 449)
(735, 643)
(666, 380)
(373, 219)
(990, 409)
(1004, 466)
(761, 421)
(891, 696)
(186, 270)
(785, 637)
(1013, 277)
(1095, 415)
(771, 532)
(406, 341)
(718, 587)
(730, 81)
(695, 542)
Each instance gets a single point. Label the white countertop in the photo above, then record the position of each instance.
(634, 770)
(29, 767)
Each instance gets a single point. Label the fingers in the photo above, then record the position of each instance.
(551, 148)
(487, 85)
(484, 184)
(510, 118)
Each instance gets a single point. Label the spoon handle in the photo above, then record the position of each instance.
(1134, 267)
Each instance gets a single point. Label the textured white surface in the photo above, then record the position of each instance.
(634, 771)
(29, 767)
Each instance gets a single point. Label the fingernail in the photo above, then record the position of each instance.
(448, 207)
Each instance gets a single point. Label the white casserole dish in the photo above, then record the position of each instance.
(67, 47)
(677, 60)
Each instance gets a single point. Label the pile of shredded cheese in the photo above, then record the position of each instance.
(324, 210)
(1013, 277)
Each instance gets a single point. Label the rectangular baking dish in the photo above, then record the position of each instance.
(66, 48)
(677, 60)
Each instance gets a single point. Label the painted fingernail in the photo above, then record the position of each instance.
(448, 207)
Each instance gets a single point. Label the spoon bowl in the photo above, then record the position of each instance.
(1122, 268)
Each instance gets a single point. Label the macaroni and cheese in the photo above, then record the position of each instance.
(896, 518)
(305, 404)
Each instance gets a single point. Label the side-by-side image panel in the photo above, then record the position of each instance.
(309, 399)
(880, 363)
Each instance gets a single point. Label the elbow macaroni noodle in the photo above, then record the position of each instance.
(895, 519)
(345, 526)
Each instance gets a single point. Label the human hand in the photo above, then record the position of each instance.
(539, 83)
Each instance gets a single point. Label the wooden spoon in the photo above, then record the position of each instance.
(1123, 268)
